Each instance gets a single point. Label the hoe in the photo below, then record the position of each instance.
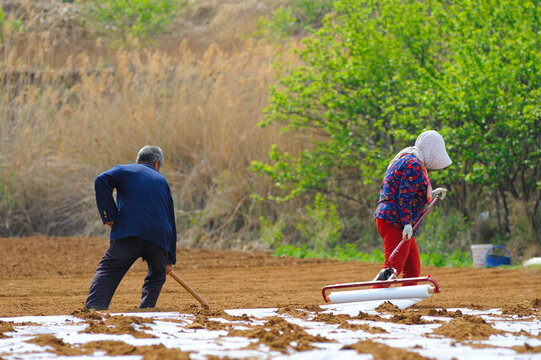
(384, 280)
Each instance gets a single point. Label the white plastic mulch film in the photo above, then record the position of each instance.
(514, 337)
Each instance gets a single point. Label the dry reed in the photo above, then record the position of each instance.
(65, 117)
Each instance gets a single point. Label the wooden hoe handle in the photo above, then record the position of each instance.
(188, 288)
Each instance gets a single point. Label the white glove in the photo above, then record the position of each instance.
(439, 191)
(407, 232)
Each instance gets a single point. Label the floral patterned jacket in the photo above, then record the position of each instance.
(403, 193)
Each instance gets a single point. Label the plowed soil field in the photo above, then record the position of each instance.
(51, 276)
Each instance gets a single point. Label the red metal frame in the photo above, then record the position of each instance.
(392, 279)
(410, 281)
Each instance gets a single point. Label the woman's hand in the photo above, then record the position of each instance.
(439, 191)
(407, 232)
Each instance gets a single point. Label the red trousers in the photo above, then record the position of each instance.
(406, 260)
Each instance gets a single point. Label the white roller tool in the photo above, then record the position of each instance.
(404, 292)
(380, 286)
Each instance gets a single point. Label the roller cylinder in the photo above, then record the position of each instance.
(403, 292)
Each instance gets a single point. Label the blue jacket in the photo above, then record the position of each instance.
(144, 206)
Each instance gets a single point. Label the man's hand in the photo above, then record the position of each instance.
(407, 232)
(439, 191)
(168, 268)
(110, 224)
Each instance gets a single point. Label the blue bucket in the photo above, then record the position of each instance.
(492, 260)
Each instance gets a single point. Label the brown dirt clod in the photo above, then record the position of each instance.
(520, 310)
(388, 307)
(5, 327)
(86, 314)
(279, 335)
(442, 312)
(119, 348)
(527, 348)
(293, 311)
(382, 351)
(118, 325)
(364, 327)
(466, 328)
(59, 346)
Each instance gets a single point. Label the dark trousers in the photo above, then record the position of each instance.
(120, 256)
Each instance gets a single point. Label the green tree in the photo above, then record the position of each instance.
(488, 94)
(381, 71)
(354, 94)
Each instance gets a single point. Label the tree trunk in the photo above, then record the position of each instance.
(507, 228)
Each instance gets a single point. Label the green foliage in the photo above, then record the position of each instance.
(298, 17)
(456, 259)
(439, 233)
(321, 225)
(488, 96)
(301, 252)
(349, 94)
(381, 71)
(199, 218)
(133, 19)
(2, 21)
(6, 190)
(349, 252)
(319, 228)
(281, 26)
(311, 12)
(271, 233)
(460, 259)
(15, 25)
(6, 196)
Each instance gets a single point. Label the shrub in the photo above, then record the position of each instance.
(321, 225)
(443, 232)
(299, 17)
(271, 233)
(133, 19)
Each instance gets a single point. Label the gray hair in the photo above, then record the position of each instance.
(150, 154)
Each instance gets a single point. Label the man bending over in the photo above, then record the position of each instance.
(142, 223)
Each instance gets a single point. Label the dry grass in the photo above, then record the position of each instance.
(52, 31)
(65, 117)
